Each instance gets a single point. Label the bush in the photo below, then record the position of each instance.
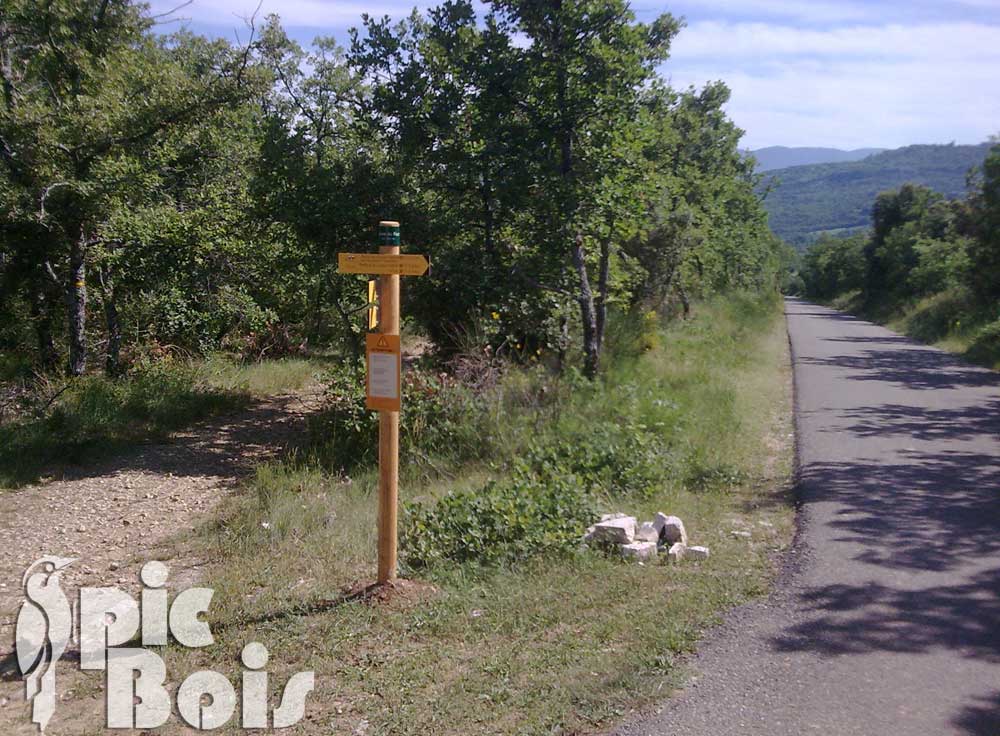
(440, 417)
(985, 348)
(613, 459)
(545, 505)
(501, 523)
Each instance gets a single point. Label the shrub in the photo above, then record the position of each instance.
(544, 506)
(985, 348)
(440, 417)
(501, 523)
(616, 459)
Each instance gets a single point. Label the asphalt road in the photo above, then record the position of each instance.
(887, 622)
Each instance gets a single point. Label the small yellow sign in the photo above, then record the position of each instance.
(372, 305)
(382, 263)
(383, 385)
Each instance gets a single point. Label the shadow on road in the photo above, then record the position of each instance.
(858, 619)
(922, 423)
(982, 718)
(930, 513)
(911, 367)
(919, 501)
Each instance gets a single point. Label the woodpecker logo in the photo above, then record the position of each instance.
(103, 620)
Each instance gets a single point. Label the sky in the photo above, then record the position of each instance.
(843, 74)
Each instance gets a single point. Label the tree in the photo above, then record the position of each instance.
(586, 64)
(984, 225)
(84, 85)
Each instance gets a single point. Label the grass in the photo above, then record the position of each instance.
(265, 378)
(949, 320)
(72, 421)
(563, 643)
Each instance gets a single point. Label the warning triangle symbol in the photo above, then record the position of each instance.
(382, 343)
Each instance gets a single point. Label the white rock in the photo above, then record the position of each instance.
(671, 529)
(639, 550)
(647, 532)
(740, 534)
(614, 531)
(697, 553)
(616, 515)
(676, 552)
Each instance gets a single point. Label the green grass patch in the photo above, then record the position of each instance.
(519, 630)
(264, 378)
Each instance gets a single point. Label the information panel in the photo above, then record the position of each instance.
(383, 384)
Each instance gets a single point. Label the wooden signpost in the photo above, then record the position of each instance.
(383, 385)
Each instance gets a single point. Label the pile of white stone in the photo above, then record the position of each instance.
(640, 542)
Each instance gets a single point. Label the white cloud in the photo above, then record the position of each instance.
(943, 41)
(849, 87)
(819, 11)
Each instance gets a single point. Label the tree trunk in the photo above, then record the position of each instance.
(112, 362)
(317, 320)
(685, 302)
(591, 348)
(563, 344)
(76, 300)
(602, 286)
(486, 193)
(41, 317)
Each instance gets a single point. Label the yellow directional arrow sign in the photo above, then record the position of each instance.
(382, 263)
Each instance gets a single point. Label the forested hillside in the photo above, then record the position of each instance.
(931, 264)
(175, 192)
(805, 201)
(781, 157)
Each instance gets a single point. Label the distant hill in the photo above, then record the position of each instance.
(809, 200)
(781, 157)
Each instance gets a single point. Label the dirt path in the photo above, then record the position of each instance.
(112, 515)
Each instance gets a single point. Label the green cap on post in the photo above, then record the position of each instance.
(388, 233)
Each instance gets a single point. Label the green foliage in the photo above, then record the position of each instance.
(985, 345)
(440, 419)
(929, 264)
(503, 522)
(984, 217)
(832, 266)
(613, 445)
(609, 459)
(181, 193)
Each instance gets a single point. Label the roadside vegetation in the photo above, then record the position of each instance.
(929, 267)
(503, 623)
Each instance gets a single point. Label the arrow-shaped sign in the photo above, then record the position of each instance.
(381, 263)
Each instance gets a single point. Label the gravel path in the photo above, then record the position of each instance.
(887, 621)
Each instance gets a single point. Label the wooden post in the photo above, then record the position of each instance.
(388, 421)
